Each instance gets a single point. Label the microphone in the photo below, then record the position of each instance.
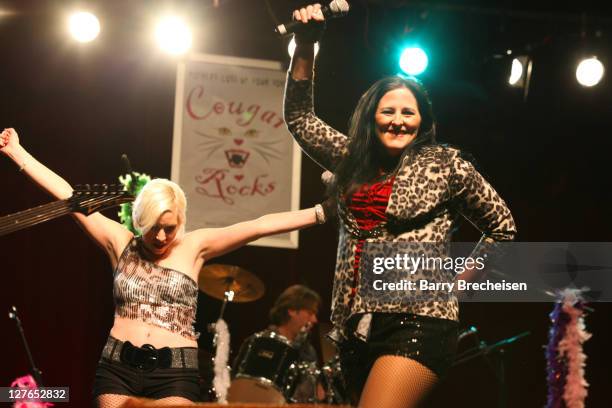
(128, 168)
(302, 336)
(337, 8)
(126, 163)
(467, 332)
(13, 313)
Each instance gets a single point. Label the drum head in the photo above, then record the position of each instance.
(252, 390)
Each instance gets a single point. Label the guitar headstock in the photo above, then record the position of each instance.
(88, 199)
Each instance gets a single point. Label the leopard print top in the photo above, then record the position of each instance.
(428, 192)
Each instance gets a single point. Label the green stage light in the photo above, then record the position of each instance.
(413, 60)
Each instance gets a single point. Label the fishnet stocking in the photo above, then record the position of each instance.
(111, 400)
(117, 401)
(172, 401)
(396, 382)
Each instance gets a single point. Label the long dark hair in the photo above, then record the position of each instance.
(366, 154)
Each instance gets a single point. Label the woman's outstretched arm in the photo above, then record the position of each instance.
(214, 242)
(108, 234)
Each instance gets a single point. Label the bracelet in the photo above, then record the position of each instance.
(320, 214)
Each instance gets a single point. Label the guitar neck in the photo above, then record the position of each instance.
(83, 202)
(27, 218)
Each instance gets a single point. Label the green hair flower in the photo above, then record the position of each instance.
(133, 185)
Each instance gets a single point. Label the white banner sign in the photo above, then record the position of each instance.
(232, 153)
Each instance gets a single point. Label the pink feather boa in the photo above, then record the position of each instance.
(570, 349)
(28, 382)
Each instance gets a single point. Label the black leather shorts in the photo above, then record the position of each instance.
(428, 340)
(114, 377)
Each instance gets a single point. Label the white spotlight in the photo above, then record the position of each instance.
(173, 35)
(520, 71)
(589, 72)
(292, 45)
(84, 26)
(520, 74)
(516, 72)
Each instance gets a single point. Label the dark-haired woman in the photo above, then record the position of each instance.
(393, 184)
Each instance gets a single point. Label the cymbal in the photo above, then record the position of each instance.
(216, 279)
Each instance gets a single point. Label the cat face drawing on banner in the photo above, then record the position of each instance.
(240, 142)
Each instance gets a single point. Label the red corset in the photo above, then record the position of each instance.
(368, 206)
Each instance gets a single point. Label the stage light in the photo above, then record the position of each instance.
(291, 48)
(589, 72)
(84, 27)
(413, 61)
(520, 73)
(516, 72)
(173, 35)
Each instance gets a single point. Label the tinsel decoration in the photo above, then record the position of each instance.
(133, 185)
(28, 382)
(567, 387)
(222, 375)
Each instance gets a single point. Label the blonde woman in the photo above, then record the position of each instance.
(151, 350)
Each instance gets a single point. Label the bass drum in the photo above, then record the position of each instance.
(261, 372)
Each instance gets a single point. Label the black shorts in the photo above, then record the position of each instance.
(428, 340)
(113, 377)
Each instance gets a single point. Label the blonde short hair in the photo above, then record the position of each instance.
(157, 197)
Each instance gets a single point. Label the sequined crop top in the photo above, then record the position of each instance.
(154, 294)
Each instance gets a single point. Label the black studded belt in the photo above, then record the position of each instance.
(147, 357)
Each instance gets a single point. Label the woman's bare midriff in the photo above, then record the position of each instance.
(139, 333)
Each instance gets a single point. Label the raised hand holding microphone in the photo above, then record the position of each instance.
(308, 25)
(337, 8)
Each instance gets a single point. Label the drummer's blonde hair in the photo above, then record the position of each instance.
(157, 197)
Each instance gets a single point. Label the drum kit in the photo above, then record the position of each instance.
(267, 368)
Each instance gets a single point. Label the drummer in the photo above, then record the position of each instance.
(293, 315)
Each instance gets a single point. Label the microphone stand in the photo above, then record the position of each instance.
(228, 297)
(500, 370)
(36, 373)
(131, 172)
